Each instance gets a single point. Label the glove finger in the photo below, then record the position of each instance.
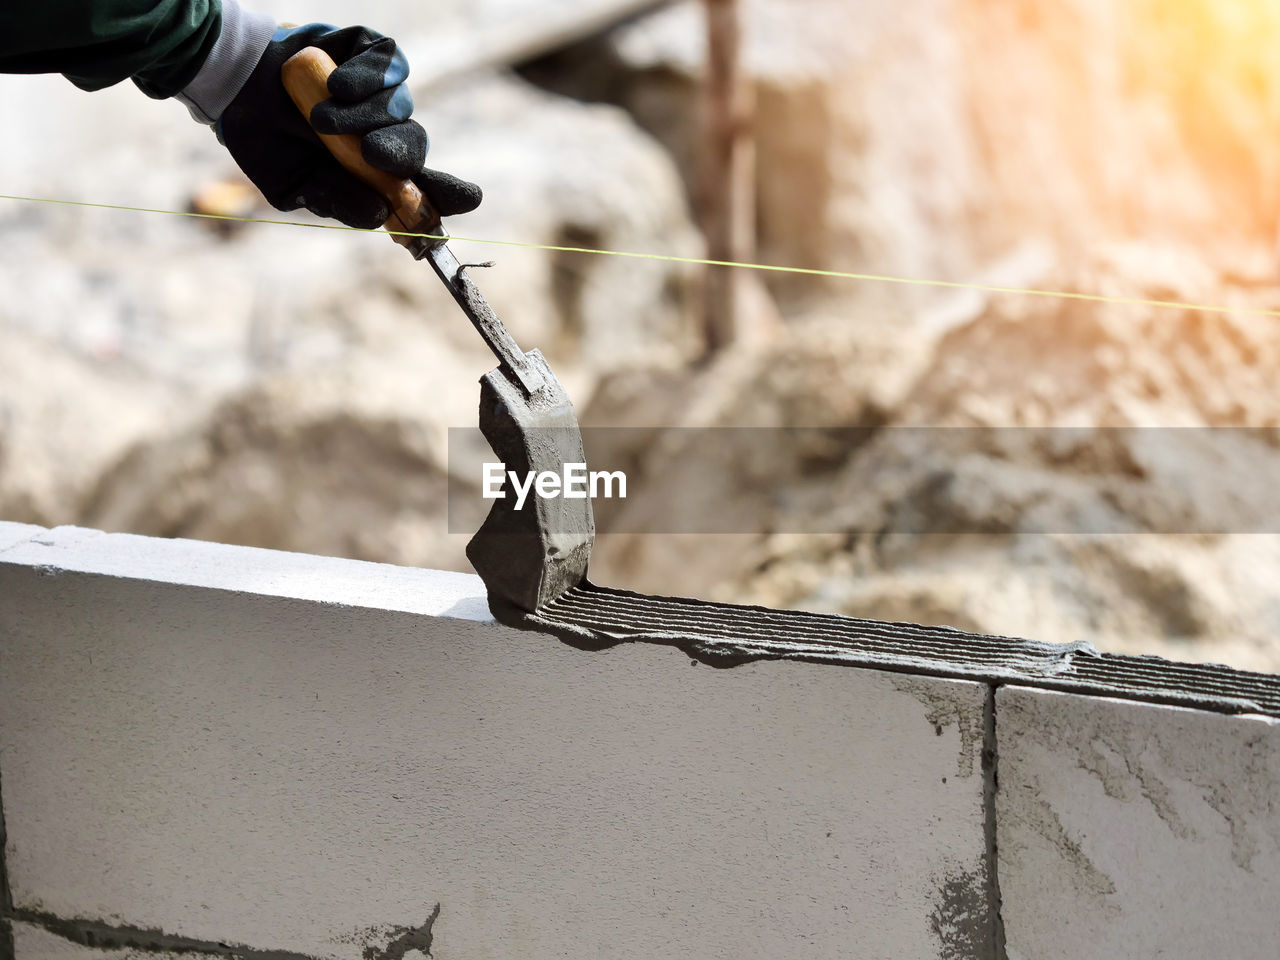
(400, 148)
(342, 45)
(382, 109)
(450, 195)
(380, 65)
(331, 192)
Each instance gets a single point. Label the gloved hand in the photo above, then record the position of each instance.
(278, 150)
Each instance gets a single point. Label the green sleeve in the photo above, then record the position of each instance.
(161, 44)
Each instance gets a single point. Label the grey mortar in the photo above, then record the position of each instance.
(725, 635)
(105, 936)
(404, 939)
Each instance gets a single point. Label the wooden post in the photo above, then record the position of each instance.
(728, 173)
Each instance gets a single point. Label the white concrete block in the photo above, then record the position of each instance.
(250, 768)
(1136, 830)
(275, 573)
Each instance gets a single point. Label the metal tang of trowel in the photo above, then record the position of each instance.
(526, 557)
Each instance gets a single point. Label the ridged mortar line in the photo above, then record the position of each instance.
(782, 646)
(1196, 672)
(727, 635)
(575, 608)
(659, 607)
(105, 936)
(722, 651)
(664, 610)
(867, 632)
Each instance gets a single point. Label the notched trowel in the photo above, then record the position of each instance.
(528, 557)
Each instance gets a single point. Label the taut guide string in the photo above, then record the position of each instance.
(702, 261)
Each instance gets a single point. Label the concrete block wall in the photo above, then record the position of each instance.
(213, 750)
(1134, 830)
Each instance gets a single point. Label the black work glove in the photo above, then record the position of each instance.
(278, 150)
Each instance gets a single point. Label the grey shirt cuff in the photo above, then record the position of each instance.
(239, 47)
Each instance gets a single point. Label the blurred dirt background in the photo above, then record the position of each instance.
(292, 388)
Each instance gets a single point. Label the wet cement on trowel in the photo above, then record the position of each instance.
(726, 635)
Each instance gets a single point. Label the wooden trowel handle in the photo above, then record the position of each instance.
(306, 77)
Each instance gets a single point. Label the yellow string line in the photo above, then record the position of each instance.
(765, 267)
